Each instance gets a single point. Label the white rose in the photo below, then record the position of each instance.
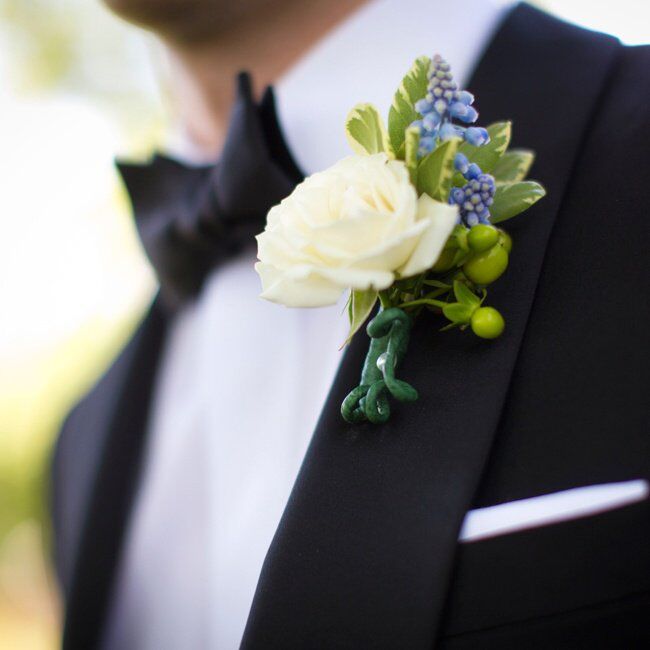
(358, 225)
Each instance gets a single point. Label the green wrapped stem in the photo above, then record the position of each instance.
(389, 337)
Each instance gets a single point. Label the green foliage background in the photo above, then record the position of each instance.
(74, 56)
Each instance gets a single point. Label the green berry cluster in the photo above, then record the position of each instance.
(456, 286)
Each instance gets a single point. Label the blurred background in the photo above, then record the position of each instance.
(77, 88)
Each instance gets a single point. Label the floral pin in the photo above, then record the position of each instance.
(407, 220)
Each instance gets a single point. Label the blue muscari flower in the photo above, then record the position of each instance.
(477, 135)
(473, 171)
(476, 196)
(427, 144)
(449, 130)
(461, 163)
(431, 121)
(457, 196)
(443, 103)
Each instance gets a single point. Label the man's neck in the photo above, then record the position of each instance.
(266, 44)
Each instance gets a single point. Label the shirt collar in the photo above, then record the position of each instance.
(363, 60)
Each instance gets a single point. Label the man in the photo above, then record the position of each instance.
(207, 492)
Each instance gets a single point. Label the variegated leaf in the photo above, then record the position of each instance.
(436, 170)
(411, 144)
(402, 112)
(366, 131)
(512, 198)
(513, 166)
(486, 156)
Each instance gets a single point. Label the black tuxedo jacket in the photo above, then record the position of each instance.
(366, 554)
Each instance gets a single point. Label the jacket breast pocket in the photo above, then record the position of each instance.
(565, 585)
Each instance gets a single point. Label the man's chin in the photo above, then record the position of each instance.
(182, 20)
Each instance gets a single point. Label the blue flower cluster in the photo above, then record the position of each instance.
(443, 103)
(476, 196)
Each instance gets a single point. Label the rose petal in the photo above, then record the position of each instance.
(295, 290)
(355, 278)
(392, 254)
(442, 218)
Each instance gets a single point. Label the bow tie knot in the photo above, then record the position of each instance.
(190, 219)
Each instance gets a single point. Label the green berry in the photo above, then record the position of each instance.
(460, 235)
(445, 261)
(482, 237)
(485, 268)
(487, 323)
(505, 240)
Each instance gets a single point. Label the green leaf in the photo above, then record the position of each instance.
(411, 144)
(360, 306)
(437, 169)
(457, 312)
(437, 283)
(402, 112)
(488, 155)
(465, 295)
(512, 198)
(513, 166)
(365, 130)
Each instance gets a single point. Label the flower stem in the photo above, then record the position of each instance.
(423, 301)
(384, 299)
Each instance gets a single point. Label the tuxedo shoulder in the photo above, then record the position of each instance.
(632, 75)
(96, 404)
(73, 465)
(630, 96)
(639, 53)
(80, 443)
(615, 154)
(628, 64)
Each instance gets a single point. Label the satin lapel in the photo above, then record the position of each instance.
(127, 390)
(364, 552)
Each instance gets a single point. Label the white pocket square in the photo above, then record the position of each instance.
(550, 508)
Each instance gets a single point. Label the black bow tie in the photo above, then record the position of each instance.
(190, 219)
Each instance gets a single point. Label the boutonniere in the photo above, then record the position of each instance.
(409, 221)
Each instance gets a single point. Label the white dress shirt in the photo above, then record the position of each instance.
(243, 381)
